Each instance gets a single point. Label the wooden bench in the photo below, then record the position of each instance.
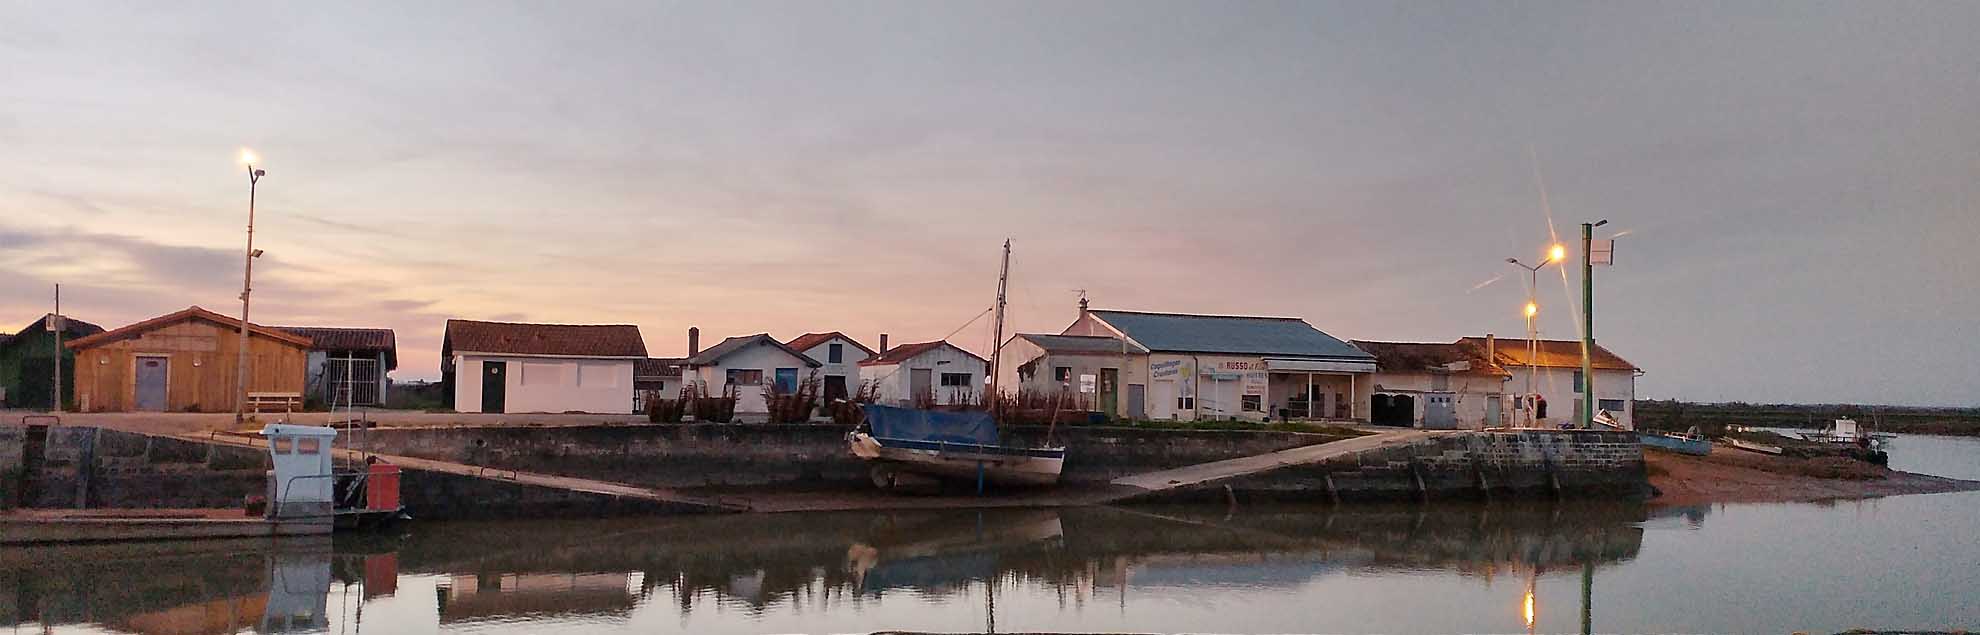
(287, 401)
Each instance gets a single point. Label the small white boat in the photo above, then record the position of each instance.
(1754, 447)
(948, 445)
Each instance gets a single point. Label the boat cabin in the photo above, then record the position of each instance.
(300, 481)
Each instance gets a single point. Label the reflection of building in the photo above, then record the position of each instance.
(479, 597)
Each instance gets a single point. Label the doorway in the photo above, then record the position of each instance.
(494, 386)
(921, 387)
(1137, 401)
(1392, 410)
(835, 388)
(1109, 391)
(154, 375)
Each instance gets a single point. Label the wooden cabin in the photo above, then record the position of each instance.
(184, 362)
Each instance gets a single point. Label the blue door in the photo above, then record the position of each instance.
(787, 380)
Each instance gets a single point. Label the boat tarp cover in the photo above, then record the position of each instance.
(889, 422)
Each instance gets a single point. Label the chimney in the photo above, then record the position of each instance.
(1082, 306)
(694, 341)
(1491, 349)
(883, 342)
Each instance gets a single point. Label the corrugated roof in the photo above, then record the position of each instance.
(188, 313)
(1411, 357)
(906, 352)
(1553, 354)
(577, 340)
(360, 340)
(1264, 336)
(658, 367)
(717, 352)
(1081, 343)
(810, 341)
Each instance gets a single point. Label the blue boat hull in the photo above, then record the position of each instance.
(1680, 445)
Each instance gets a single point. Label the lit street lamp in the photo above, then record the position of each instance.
(247, 287)
(1554, 254)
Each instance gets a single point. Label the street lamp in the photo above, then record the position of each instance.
(247, 287)
(1555, 254)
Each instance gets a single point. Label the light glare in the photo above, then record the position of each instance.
(248, 157)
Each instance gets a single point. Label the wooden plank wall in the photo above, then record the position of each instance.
(202, 356)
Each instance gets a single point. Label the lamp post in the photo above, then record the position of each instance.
(247, 288)
(1588, 323)
(1554, 254)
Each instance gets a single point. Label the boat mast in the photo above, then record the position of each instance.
(997, 340)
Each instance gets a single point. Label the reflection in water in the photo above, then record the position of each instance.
(539, 571)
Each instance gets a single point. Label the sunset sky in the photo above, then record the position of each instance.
(1799, 182)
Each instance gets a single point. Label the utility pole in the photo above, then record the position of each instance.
(57, 324)
(247, 288)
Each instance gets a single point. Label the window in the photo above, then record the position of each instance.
(282, 445)
(836, 354)
(1252, 403)
(1614, 406)
(1061, 373)
(787, 380)
(598, 375)
(1185, 403)
(1577, 381)
(745, 377)
(955, 379)
(309, 445)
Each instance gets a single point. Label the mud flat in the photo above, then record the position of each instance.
(1732, 476)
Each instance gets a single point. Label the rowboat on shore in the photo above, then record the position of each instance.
(1689, 442)
(1754, 447)
(902, 443)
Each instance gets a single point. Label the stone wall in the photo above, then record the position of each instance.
(1468, 466)
(98, 468)
(799, 455)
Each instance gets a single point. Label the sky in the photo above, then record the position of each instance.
(1794, 183)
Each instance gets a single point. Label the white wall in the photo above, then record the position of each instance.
(1556, 384)
(763, 357)
(549, 384)
(896, 383)
(1473, 393)
(848, 367)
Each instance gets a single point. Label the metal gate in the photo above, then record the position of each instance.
(351, 381)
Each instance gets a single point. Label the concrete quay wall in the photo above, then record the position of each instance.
(783, 455)
(1466, 466)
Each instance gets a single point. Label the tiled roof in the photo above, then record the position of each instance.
(1082, 343)
(658, 367)
(906, 352)
(578, 340)
(328, 338)
(1263, 336)
(717, 352)
(809, 341)
(1553, 354)
(71, 329)
(188, 313)
(1412, 357)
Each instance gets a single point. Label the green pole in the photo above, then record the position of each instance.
(1587, 326)
(1588, 596)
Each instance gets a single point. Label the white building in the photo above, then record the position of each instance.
(937, 370)
(1451, 385)
(1058, 366)
(1211, 366)
(839, 356)
(512, 367)
(1557, 379)
(748, 363)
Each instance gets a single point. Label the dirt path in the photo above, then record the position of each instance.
(1733, 476)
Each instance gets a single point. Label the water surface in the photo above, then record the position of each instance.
(1904, 562)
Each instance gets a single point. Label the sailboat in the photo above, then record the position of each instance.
(903, 443)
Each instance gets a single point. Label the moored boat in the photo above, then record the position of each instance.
(1847, 431)
(948, 445)
(1689, 442)
(1751, 446)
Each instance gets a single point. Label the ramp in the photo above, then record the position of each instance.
(572, 484)
(1192, 475)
